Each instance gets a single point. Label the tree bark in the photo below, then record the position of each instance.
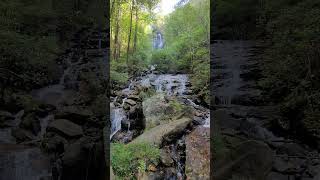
(129, 36)
(116, 36)
(136, 31)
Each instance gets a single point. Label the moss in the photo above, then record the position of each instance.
(130, 159)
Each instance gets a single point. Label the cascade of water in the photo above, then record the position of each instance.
(117, 116)
(207, 122)
(44, 124)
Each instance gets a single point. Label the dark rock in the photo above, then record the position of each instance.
(54, 143)
(165, 158)
(84, 159)
(134, 97)
(22, 135)
(198, 153)
(292, 149)
(66, 128)
(31, 122)
(277, 176)
(75, 114)
(164, 133)
(130, 102)
(251, 159)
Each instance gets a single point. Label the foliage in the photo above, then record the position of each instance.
(33, 33)
(127, 160)
(291, 66)
(237, 19)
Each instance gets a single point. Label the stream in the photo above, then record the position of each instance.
(177, 85)
(241, 112)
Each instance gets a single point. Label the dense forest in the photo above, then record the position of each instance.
(160, 76)
(291, 57)
(51, 68)
(185, 30)
(284, 67)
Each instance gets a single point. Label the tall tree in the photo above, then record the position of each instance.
(136, 29)
(129, 35)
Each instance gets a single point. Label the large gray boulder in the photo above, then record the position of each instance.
(198, 154)
(66, 128)
(165, 132)
(250, 159)
(158, 110)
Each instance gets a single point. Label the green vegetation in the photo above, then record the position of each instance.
(34, 33)
(186, 35)
(128, 160)
(291, 68)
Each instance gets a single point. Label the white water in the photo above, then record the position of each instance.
(44, 122)
(169, 84)
(117, 116)
(207, 122)
(158, 42)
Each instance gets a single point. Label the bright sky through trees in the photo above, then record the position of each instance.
(166, 7)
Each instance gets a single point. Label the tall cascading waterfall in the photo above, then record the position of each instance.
(158, 42)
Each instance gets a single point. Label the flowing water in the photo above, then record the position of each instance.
(158, 42)
(117, 116)
(171, 85)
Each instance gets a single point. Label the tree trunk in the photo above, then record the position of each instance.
(136, 31)
(129, 36)
(116, 36)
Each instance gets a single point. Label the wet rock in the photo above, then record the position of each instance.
(130, 102)
(134, 97)
(5, 118)
(292, 149)
(164, 133)
(277, 176)
(198, 154)
(251, 159)
(22, 135)
(165, 158)
(74, 114)
(31, 122)
(54, 143)
(160, 109)
(66, 128)
(83, 159)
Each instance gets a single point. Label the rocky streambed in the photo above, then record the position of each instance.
(247, 145)
(55, 132)
(159, 109)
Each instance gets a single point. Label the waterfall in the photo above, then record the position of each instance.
(158, 42)
(207, 122)
(117, 116)
(171, 84)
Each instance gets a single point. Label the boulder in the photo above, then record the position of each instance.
(277, 176)
(164, 133)
(159, 110)
(250, 159)
(82, 159)
(75, 114)
(165, 158)
(292, 149)
(130, 102)
(31, 122)
(198, 154)
(5, 118)
(22, 135)
(66, 128)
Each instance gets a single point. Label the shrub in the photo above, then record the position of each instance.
(129, 159)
